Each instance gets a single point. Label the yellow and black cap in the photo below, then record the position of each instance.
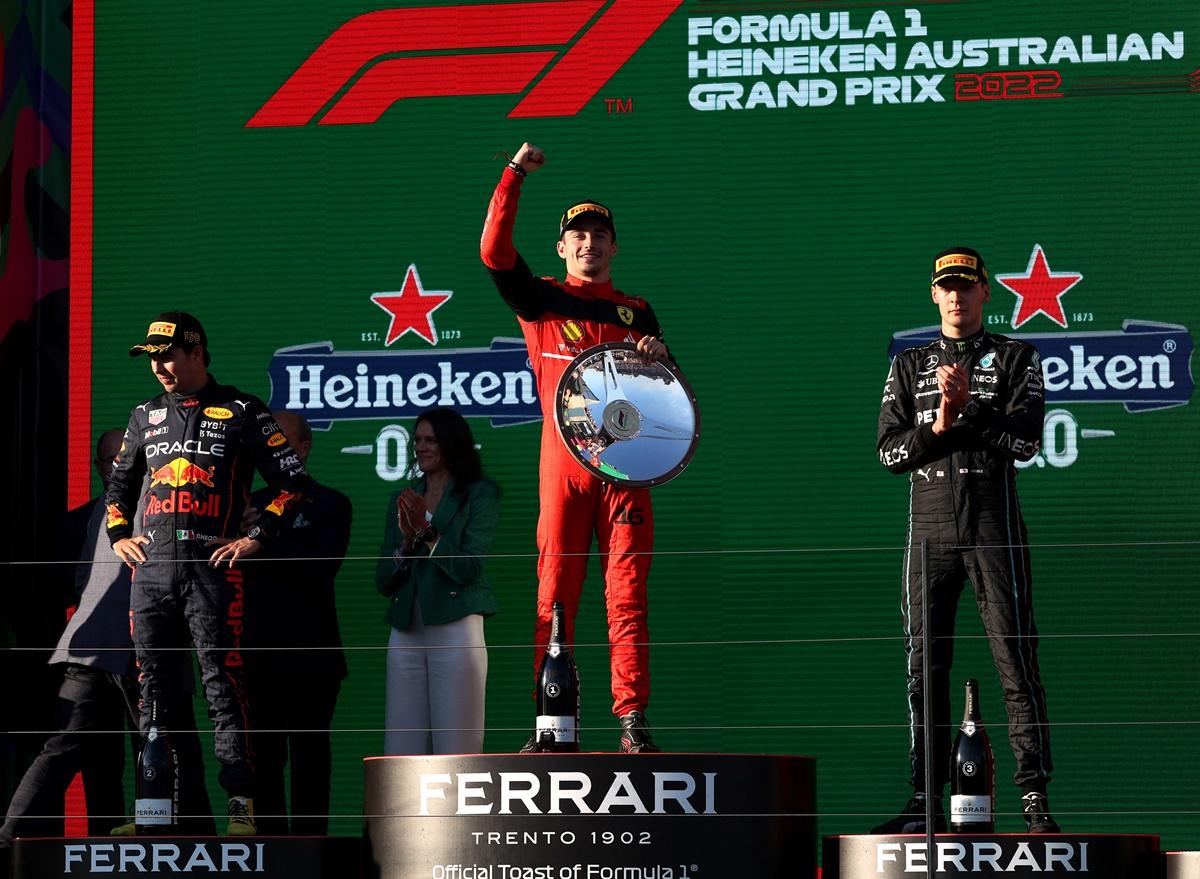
(960, 262)
(586, 210)
(171, 328)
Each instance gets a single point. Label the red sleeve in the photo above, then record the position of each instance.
(496, 246)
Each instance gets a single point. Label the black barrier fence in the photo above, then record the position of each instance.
(793, 650)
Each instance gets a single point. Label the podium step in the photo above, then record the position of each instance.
(590, 816)
(1182, 865)
(1100, 856)
(269, 857)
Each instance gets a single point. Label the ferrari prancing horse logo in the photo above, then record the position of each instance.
(625, 314)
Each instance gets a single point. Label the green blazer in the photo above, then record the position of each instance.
(449, 583)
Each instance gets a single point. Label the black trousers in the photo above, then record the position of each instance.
(92, 713)
(990, 547)
(291, 733)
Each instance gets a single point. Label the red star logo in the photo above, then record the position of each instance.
(412, 308)
(1039, 290)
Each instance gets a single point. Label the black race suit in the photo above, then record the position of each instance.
(963, 500)
(193, 458)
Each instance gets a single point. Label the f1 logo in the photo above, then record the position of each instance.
(361, 53)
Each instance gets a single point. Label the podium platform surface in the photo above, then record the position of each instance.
(1182, 865)
(264, 857)
(590, 816)
(1100, 856)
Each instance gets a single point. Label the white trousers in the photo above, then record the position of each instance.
(436, 682)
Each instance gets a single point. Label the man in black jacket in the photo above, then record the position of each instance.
(955, 415)
(190, 454)
(292, 634)
(98, 693)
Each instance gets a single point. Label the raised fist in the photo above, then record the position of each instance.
(530, 157)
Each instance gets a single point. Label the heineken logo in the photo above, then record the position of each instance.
(327, 386)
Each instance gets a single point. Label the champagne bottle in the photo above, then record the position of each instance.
(558, 692)
(156, 810)
(972, 772)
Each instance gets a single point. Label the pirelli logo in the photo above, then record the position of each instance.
(964, 260)
(161, 328)
(588, 208)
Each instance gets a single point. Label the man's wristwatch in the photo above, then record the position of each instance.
(257, 533)
(425, 535)
(971, 409)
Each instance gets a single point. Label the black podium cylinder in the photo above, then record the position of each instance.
(589, 816)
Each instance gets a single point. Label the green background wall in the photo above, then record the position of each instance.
(781, 248)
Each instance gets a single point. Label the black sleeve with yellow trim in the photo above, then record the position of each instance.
(124, 482)
(287, 480)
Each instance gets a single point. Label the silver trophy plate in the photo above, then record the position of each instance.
(627, 422)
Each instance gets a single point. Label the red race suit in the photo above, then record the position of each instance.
(560, 319)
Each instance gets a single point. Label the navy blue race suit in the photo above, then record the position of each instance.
(192, 459)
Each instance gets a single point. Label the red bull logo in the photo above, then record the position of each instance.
(179, 472)
(115, 516)
(282, 502)
(183, 501)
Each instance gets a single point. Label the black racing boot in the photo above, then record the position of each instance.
(537, 745)
(1037, 813)
(635, 735)
(912, 817)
